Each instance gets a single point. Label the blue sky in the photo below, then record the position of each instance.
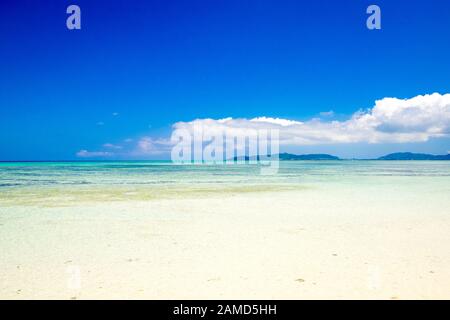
(137, 67)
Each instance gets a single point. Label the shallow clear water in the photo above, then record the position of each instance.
(63, 182)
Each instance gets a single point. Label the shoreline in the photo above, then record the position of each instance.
(286, 245)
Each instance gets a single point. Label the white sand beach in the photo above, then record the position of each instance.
(382, 240)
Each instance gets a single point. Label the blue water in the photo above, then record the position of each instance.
(26, 174)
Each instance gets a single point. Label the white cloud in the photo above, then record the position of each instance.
(391, 120)
(278, 121)
(327, 113)
(149, 146)
(112, 146)
(93, 154)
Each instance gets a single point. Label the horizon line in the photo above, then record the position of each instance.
(303, 154)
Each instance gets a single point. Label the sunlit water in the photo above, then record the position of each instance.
(65, 183)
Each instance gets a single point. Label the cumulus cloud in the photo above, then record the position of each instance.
(150, 146)
(112, 146)
(145, 146)
(93, 154)
(327, 113)
(391, 120)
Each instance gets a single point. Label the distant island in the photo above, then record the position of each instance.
(323, 156)
(290, 156)
(414, 156)
(320, 156)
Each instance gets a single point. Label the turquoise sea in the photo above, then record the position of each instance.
(65, 182)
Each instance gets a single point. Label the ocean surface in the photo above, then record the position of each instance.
(63, 183)
(156, 230)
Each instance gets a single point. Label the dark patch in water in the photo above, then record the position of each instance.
(9, 184)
